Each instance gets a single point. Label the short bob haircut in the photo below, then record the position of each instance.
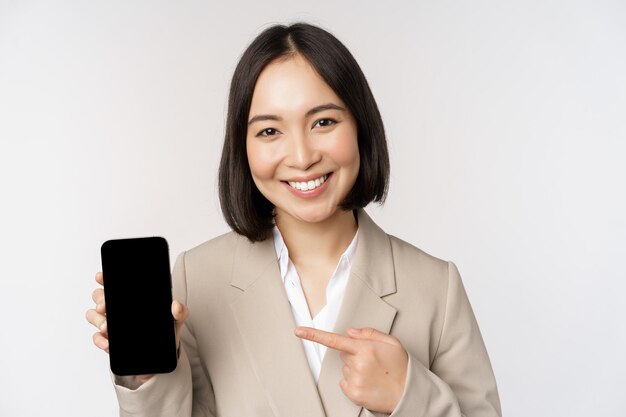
(245, 209)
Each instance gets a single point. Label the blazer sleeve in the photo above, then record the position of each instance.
(185, 392)
(460, 381)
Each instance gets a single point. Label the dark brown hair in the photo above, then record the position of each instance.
(245, 209)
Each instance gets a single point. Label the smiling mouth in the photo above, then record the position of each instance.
(308, 185)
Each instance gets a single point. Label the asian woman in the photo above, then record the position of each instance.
(307, 307)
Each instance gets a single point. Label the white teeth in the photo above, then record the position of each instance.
(308, 185)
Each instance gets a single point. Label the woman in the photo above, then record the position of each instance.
(308, 308)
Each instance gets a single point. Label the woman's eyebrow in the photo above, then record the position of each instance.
(322, 107)
(309, 113)
(262, 117)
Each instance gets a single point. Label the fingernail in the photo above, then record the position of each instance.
(103, 326)
(300, 332)
(353, 330)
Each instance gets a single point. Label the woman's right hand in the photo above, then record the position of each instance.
(97, 317)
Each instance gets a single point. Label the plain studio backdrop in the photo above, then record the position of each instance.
(506, 123)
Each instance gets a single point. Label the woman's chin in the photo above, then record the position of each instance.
(311, 215)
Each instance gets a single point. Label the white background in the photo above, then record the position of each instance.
(506, 123)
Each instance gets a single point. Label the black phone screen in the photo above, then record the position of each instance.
(138, 299)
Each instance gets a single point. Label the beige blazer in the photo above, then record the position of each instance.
(240, 358)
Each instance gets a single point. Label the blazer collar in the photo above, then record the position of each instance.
(265, 321)
(373, 260)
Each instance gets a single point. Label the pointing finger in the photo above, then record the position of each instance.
(368, 333)
(328, 339)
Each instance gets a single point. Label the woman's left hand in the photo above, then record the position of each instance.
(375, 365)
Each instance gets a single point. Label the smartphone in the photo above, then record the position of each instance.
(138, 299)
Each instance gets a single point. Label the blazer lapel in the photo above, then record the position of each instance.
(371, 277)
(263, 315)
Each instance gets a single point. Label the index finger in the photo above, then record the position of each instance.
(99, 278)
(328, 339)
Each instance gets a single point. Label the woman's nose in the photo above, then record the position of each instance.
(301, 153)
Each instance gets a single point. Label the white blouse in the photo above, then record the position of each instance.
(326, 318)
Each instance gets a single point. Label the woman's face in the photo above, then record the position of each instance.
(301, 142)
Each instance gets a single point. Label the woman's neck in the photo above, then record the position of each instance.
(325, 240)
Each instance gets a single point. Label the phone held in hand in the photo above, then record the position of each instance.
(138, 299)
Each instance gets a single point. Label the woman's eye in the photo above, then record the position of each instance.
(324, 123)
(267, 132)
